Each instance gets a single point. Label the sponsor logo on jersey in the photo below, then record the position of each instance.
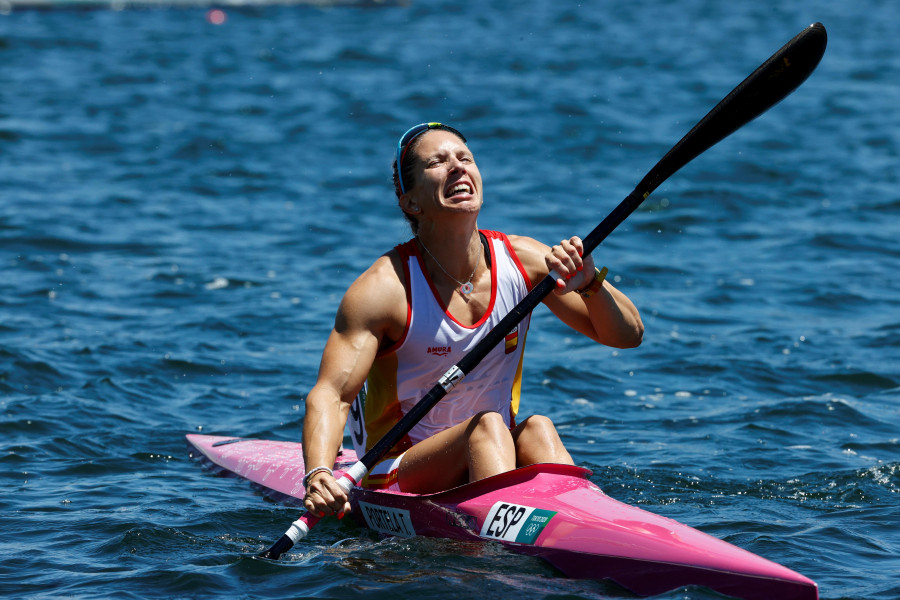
(438, 350)
(515, 523)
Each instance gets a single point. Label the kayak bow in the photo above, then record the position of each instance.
(550, 511)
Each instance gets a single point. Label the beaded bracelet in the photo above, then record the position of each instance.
(313, 472)
(596, 283)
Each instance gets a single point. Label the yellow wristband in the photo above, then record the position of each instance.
(596, 283)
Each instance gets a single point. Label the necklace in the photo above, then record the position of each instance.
(465, 288)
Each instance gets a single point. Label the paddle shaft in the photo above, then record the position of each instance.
(766, 86)
(780, 75)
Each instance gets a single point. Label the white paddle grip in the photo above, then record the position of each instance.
(353, 476)
(298, 529)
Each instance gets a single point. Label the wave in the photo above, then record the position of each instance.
(873, 488)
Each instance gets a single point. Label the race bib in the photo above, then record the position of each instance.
(515, 523)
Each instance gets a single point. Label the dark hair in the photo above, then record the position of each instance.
(406, 169)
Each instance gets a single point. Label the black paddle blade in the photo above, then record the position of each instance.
(278, 548)
(768, 85)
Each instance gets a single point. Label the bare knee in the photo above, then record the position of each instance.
(489, 425)
(537, 441)
(490, 446)
(537, 430)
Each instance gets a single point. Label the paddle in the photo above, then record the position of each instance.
(766, 86)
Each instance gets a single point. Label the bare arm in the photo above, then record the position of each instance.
(608, 317)
(369, 314)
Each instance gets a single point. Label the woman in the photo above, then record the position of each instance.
(420, 307)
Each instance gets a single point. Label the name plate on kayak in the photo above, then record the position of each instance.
(515, 523)
(393, 521)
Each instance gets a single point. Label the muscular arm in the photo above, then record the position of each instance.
(368, 317)
(608, 317)
(341, 374)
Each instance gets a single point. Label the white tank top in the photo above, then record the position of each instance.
(434, 341)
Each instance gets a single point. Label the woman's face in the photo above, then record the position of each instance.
(446, 176)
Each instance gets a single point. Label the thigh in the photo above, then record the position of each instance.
(437, 463)
(478, 447)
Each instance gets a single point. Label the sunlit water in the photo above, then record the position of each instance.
(182, 205)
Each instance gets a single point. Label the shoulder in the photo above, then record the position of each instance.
(381, 284)
(531, 254)
(376, 300)
(526, 248)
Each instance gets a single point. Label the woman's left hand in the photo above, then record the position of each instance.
(574, 270)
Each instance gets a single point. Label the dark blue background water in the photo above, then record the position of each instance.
(183, 204)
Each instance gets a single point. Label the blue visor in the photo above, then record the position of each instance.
(411, 134)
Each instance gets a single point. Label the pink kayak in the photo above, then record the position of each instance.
(548, 510)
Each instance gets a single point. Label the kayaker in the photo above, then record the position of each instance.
(417, 310)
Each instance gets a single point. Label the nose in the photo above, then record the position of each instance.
(457, 165)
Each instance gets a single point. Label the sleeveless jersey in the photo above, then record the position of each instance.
(432, 342)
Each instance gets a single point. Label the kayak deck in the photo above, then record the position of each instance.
(550, 511)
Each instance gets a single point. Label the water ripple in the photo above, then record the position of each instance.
(184, 204)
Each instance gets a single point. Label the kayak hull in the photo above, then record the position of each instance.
(549, 511)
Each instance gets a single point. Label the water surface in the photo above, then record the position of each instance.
(184, 203)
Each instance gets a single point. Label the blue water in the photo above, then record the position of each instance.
(182, 205)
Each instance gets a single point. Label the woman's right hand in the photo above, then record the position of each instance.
(325, 497)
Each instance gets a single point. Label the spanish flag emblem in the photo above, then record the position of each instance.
(512, 340)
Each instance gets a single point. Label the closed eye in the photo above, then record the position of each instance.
(436, 161)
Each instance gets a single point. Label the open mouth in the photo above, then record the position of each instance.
(459, 188)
